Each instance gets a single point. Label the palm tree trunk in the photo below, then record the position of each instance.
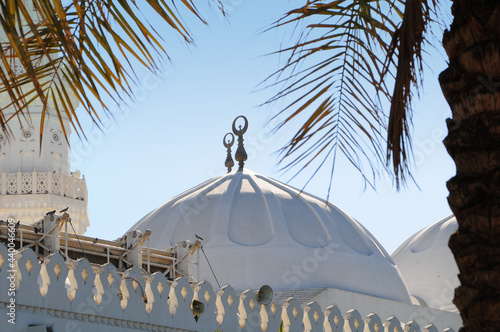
(471, 85)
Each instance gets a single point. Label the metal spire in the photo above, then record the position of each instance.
(241, 154)
(228, 144)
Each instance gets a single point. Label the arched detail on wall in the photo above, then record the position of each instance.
(27, 161)
(55, 163)
(3, 160)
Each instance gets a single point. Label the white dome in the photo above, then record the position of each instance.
(259, 231)
(428, 266)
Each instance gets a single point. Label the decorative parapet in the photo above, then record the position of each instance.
(22, 183)
(78, 297)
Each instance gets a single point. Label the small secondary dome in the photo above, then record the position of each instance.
(259, 231)
(428, 266)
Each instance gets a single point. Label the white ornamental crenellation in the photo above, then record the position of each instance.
(66, 294)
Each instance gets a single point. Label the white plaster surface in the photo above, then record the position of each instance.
(35, 174)
(406, 312)
(259, 231)
(66, 300)
(428, 266)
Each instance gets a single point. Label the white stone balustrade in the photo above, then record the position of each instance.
(22, 183)
(74, 296)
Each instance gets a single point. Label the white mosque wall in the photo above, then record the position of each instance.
(257, 231)
(50, 182)
(367, 304)
(74, 296)
(428, 266)
(35, 169)
(26, 196)
(21, 148)
(25, 146)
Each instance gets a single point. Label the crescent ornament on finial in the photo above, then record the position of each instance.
(241, 154)
(228, 143)
(243, 130)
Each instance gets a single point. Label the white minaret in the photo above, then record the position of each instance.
(34, 178)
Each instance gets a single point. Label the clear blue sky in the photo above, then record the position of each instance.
(170, 138)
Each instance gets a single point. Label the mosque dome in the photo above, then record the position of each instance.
(428, 266)
(258, 231)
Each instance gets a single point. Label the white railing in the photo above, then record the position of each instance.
(24, 183)
(78, 297)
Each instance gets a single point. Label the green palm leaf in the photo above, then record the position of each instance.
(338, 74)
(61, 53)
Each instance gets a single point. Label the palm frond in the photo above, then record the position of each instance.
(338, 75)
(406, 46)
(64, 53)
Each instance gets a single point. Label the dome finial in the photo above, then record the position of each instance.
(241, 154)
(228, 144)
